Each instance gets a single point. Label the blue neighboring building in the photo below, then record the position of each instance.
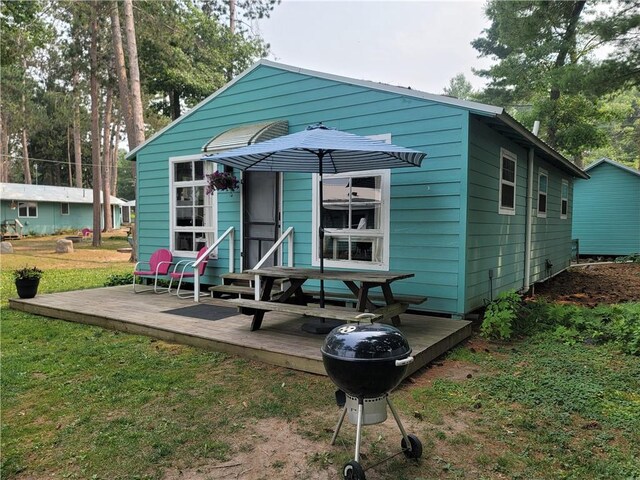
(606, 210)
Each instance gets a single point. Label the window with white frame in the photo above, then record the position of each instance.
(193, 213)
(64, 209)
(356, 219)
(27, 209)
(564, 199)
(508, 176)
(543, 188)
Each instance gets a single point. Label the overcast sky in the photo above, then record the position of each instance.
(417, 44)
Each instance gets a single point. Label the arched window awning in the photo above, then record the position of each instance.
(246, 135)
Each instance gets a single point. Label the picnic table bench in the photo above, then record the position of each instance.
(294, 299)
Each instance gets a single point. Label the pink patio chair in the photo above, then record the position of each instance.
(186, 269)
(158, 268)
(86, 232)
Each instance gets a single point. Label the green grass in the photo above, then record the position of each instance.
(84, 402)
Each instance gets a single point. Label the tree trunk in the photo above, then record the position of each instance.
(136, 96)
(95, 126)
(70, 170)
(567, 46)
(113, 161)
(134, 74)
(4, 148)
(121, 70)
(106, 161)
(174, 100)
(77, 141)
(25, 140)
(232, 29)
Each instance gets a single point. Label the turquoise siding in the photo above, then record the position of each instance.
(444, 221)
(50, 220)
(551, 236)
(496, 242)
(425, 205)
(606, 211)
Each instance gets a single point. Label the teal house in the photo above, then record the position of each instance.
(47, 209)
(488, 210)
(606, 212)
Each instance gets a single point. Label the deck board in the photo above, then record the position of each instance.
(280, 341)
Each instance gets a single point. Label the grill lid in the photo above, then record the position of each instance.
(366, 342)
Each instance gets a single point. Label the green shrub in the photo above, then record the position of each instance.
(500, 316)
(618, 324)
(121, 279)
(633, 258)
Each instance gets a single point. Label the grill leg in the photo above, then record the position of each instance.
(402, 430)
(359, 428)
(338, 426)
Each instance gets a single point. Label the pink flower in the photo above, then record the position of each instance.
(221, 181)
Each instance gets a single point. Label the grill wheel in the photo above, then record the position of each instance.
(353, 471)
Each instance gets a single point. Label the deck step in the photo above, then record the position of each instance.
(237, 276)
(238, 290)
(243, 278)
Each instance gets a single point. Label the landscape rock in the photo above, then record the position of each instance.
(6, 247)
(64, 246)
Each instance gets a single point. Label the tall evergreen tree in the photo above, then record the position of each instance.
(547, 54)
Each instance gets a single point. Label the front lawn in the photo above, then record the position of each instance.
(83, 402)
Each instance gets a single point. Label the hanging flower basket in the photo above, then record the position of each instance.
(222, 181)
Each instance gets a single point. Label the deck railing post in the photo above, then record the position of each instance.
(232, 260)
(196, 285)
(230, 232)
(290, 250)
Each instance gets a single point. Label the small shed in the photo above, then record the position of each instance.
(47, 209)
(606, 211)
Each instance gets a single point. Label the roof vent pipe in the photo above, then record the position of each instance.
(536, 127)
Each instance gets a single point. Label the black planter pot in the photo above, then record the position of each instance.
(27, 287)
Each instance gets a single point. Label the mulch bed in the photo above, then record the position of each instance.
(592, 284)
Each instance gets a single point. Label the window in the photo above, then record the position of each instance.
(27, 209)
(564, 199)
(356, 219)
(64, 209)
(193, 222)
(508, 165)
(543, 187)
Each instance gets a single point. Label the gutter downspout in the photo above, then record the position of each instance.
(529, 213)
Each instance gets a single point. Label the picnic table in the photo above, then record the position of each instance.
(294, 298)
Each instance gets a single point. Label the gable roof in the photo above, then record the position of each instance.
(49, 193)
(615, 164)
(495, 117)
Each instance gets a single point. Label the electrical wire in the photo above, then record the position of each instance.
(61, 162)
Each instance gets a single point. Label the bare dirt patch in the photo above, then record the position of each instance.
(41, 252)
(272, 448)
(593, 284)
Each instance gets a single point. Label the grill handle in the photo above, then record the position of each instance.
(404, 361)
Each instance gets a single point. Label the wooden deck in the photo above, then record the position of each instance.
(280, 341)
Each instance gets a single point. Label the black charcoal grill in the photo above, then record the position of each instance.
(366, 362)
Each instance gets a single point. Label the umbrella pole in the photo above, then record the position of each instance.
(321, 325)
(321, 232)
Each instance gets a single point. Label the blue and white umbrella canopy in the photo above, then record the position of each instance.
(319, 149)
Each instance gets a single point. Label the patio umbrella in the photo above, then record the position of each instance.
(319, 149)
